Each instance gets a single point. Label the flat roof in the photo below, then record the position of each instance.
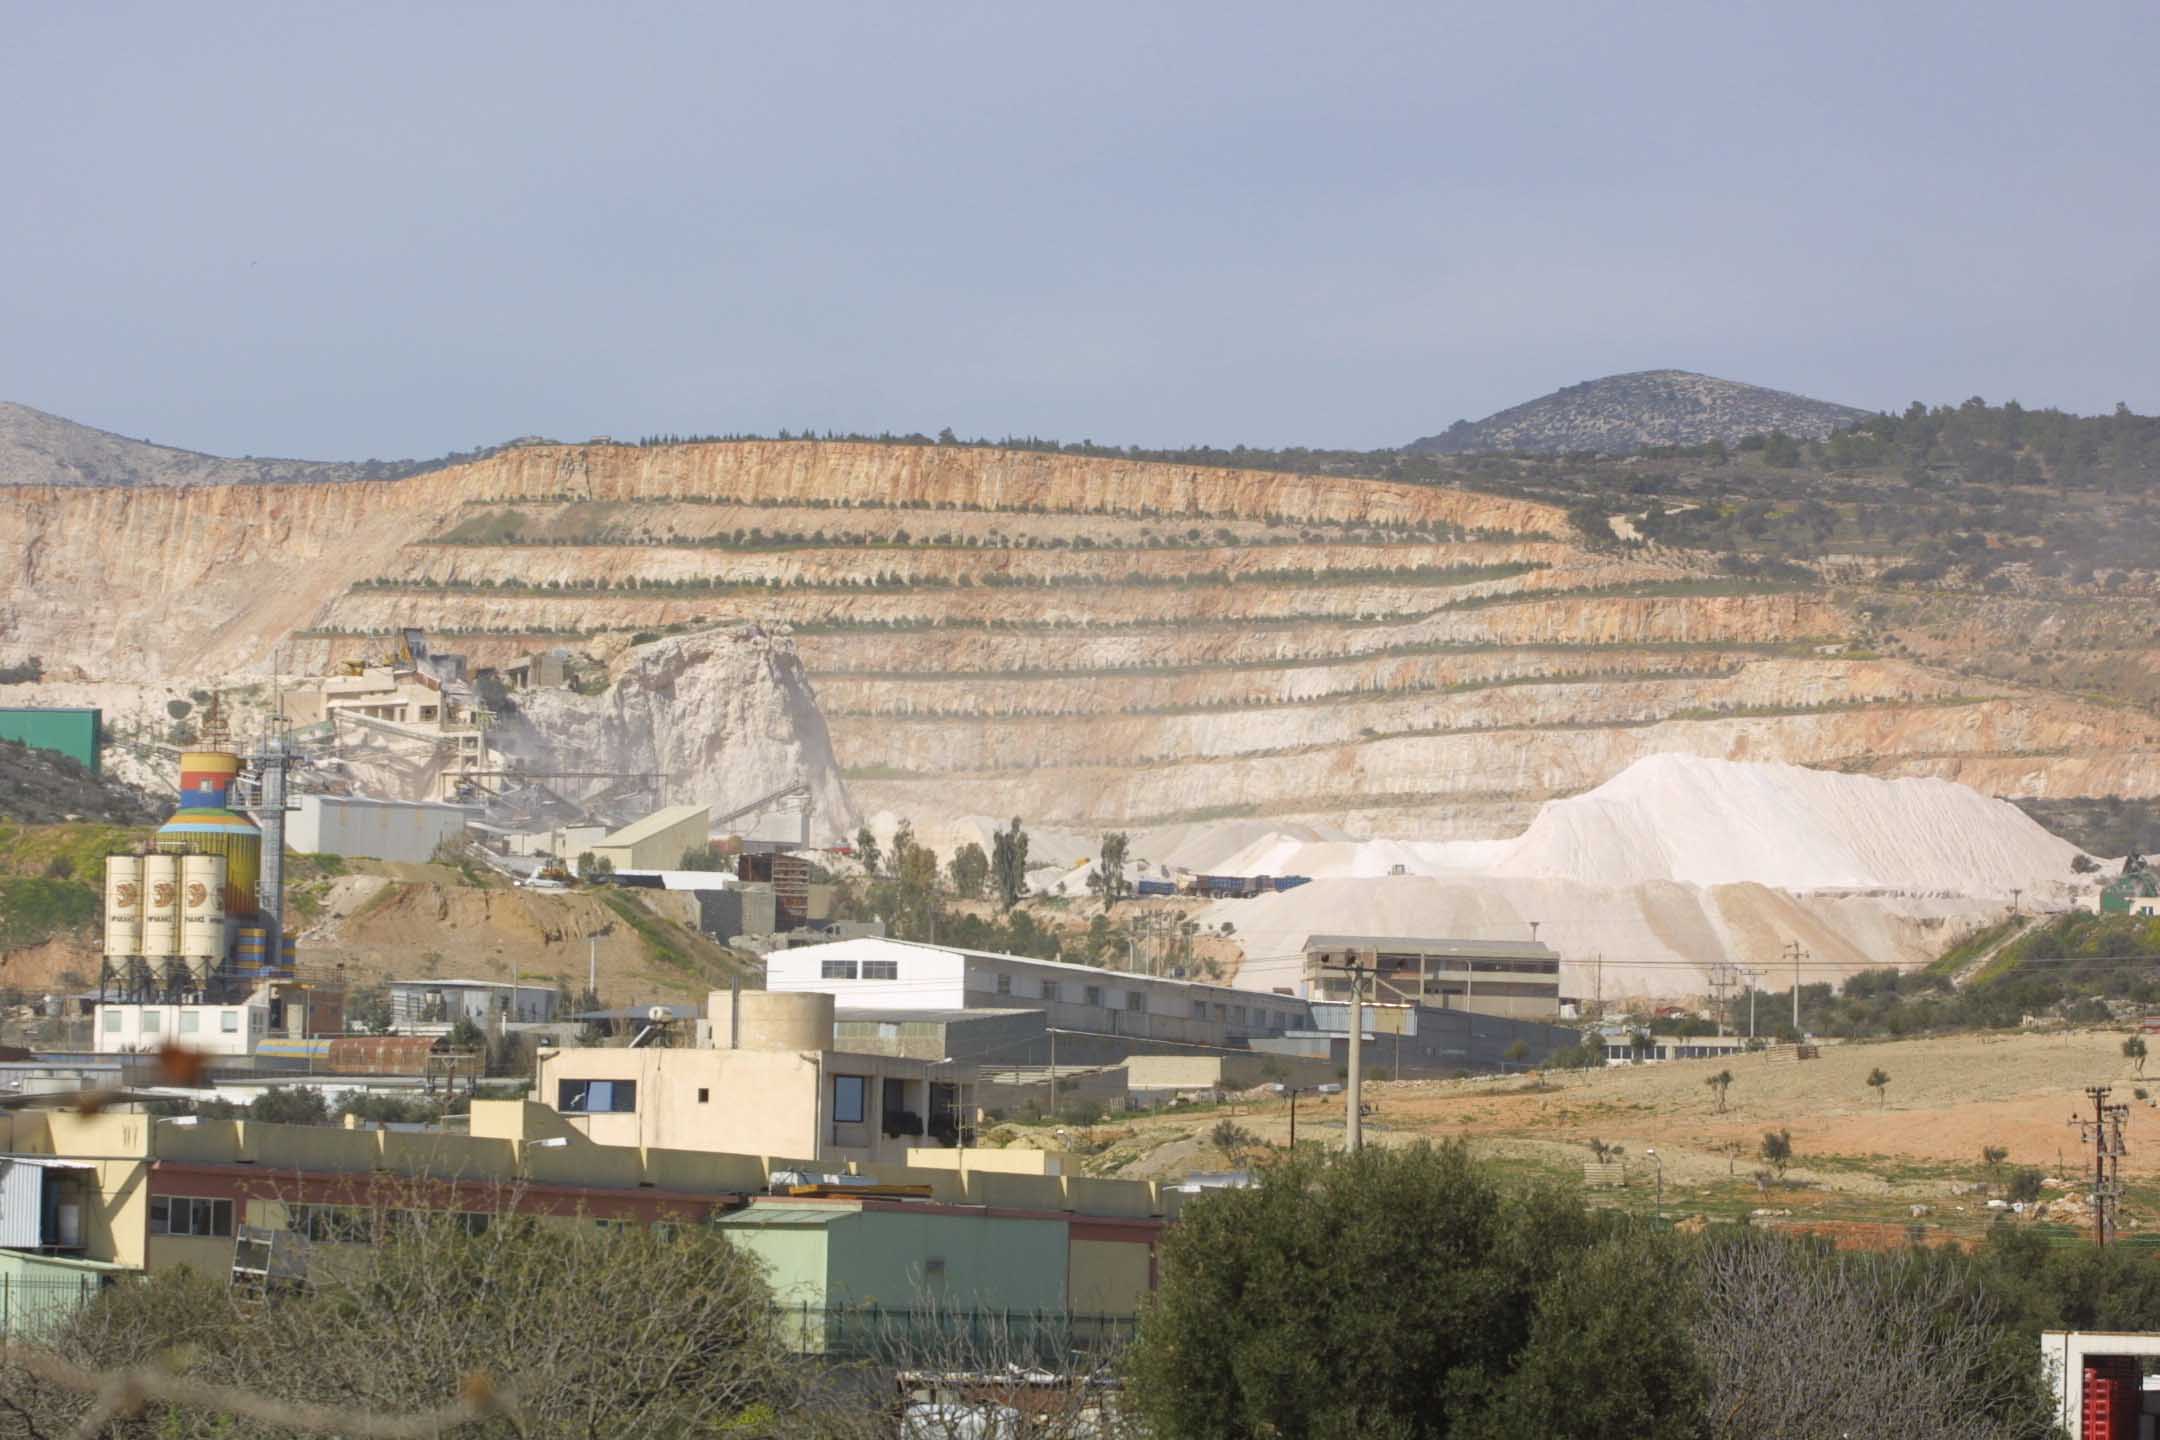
(889, 1016)
(468, 985)
(785, 1215)
(658, 823)
(887, 946)
(1512, 949)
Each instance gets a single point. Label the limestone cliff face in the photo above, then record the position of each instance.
(727, 716)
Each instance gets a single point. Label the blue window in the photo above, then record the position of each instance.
(596, 1097)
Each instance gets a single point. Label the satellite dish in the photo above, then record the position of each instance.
(659, 1012)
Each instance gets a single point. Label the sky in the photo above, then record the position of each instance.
(394, 230)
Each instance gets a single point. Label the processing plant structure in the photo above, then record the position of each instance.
(198, 914)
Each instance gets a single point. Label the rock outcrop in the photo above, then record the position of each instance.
(1620, 413)
(727, 716)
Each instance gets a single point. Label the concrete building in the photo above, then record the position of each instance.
(764, 1078)
(542, 670)
(902, 975)
(282, 1010)
(2097, 1379)
(1516, 979)
(430, 1004)
(564, 842)
(1417, 1040)
(150, 1194)
(658, 841)
(407, 830)
(1620, 1047)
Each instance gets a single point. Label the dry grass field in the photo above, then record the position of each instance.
(1858, 1161)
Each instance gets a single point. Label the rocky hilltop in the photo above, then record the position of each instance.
(41, 449)
(1088, 642)
(1621, 413)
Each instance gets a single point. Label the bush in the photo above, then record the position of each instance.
(1294, 1307)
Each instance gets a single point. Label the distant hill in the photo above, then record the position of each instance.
(41, 449)
(1649, 407)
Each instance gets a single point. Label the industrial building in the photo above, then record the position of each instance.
(77, 734)
(407, 830)
(1514, 979)
(1406, 1040)
(122, 1193)
(898, 976)
(197, 918)
(761, 1076)
(658, 841)
(412, 695)
(421, 1005)
(2134, 892)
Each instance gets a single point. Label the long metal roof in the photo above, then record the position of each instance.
(1413, 945)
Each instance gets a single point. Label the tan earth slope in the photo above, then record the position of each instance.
(1084, 641)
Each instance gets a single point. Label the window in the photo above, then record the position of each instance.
(881, 969)
(1237, 1014)
(596, 1097)
(704, 1095)
(836, 970)
(1004, 984)
(153, 1021)
(187, 1215)
(1136, 1000)
(1222, 1012)
(112, 1019)
(849, 1095)
(229, 1022)
(1050, 991)
(190, 1021)
(1199, 1009)
(1094, 994)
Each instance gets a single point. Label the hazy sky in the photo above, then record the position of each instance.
(392, 230)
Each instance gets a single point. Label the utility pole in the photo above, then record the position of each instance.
(1354, 1112)
(1053, 1074)
(2104, 1132)
(1793, 950)
(2014, 894)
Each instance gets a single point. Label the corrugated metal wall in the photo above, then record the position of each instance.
(22, 1206)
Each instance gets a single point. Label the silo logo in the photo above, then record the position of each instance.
(125, 895)
(197, 892)
(161, 894)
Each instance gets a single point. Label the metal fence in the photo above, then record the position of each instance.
(31, 1308)
(1049, 1340)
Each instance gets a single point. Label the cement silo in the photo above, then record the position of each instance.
(205, 824)
(202, 916)
(161, 914)
(123, 907)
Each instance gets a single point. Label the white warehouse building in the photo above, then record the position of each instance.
(406, 830)
(903, 975)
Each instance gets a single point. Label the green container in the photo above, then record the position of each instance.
(73, 733)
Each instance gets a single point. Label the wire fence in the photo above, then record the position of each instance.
(1050, 1340)
(32, 1307)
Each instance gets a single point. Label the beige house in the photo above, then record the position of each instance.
(763, 1079)
(658, 841)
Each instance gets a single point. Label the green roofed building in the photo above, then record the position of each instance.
(76, 734)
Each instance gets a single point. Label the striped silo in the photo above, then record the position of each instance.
(205, 824)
